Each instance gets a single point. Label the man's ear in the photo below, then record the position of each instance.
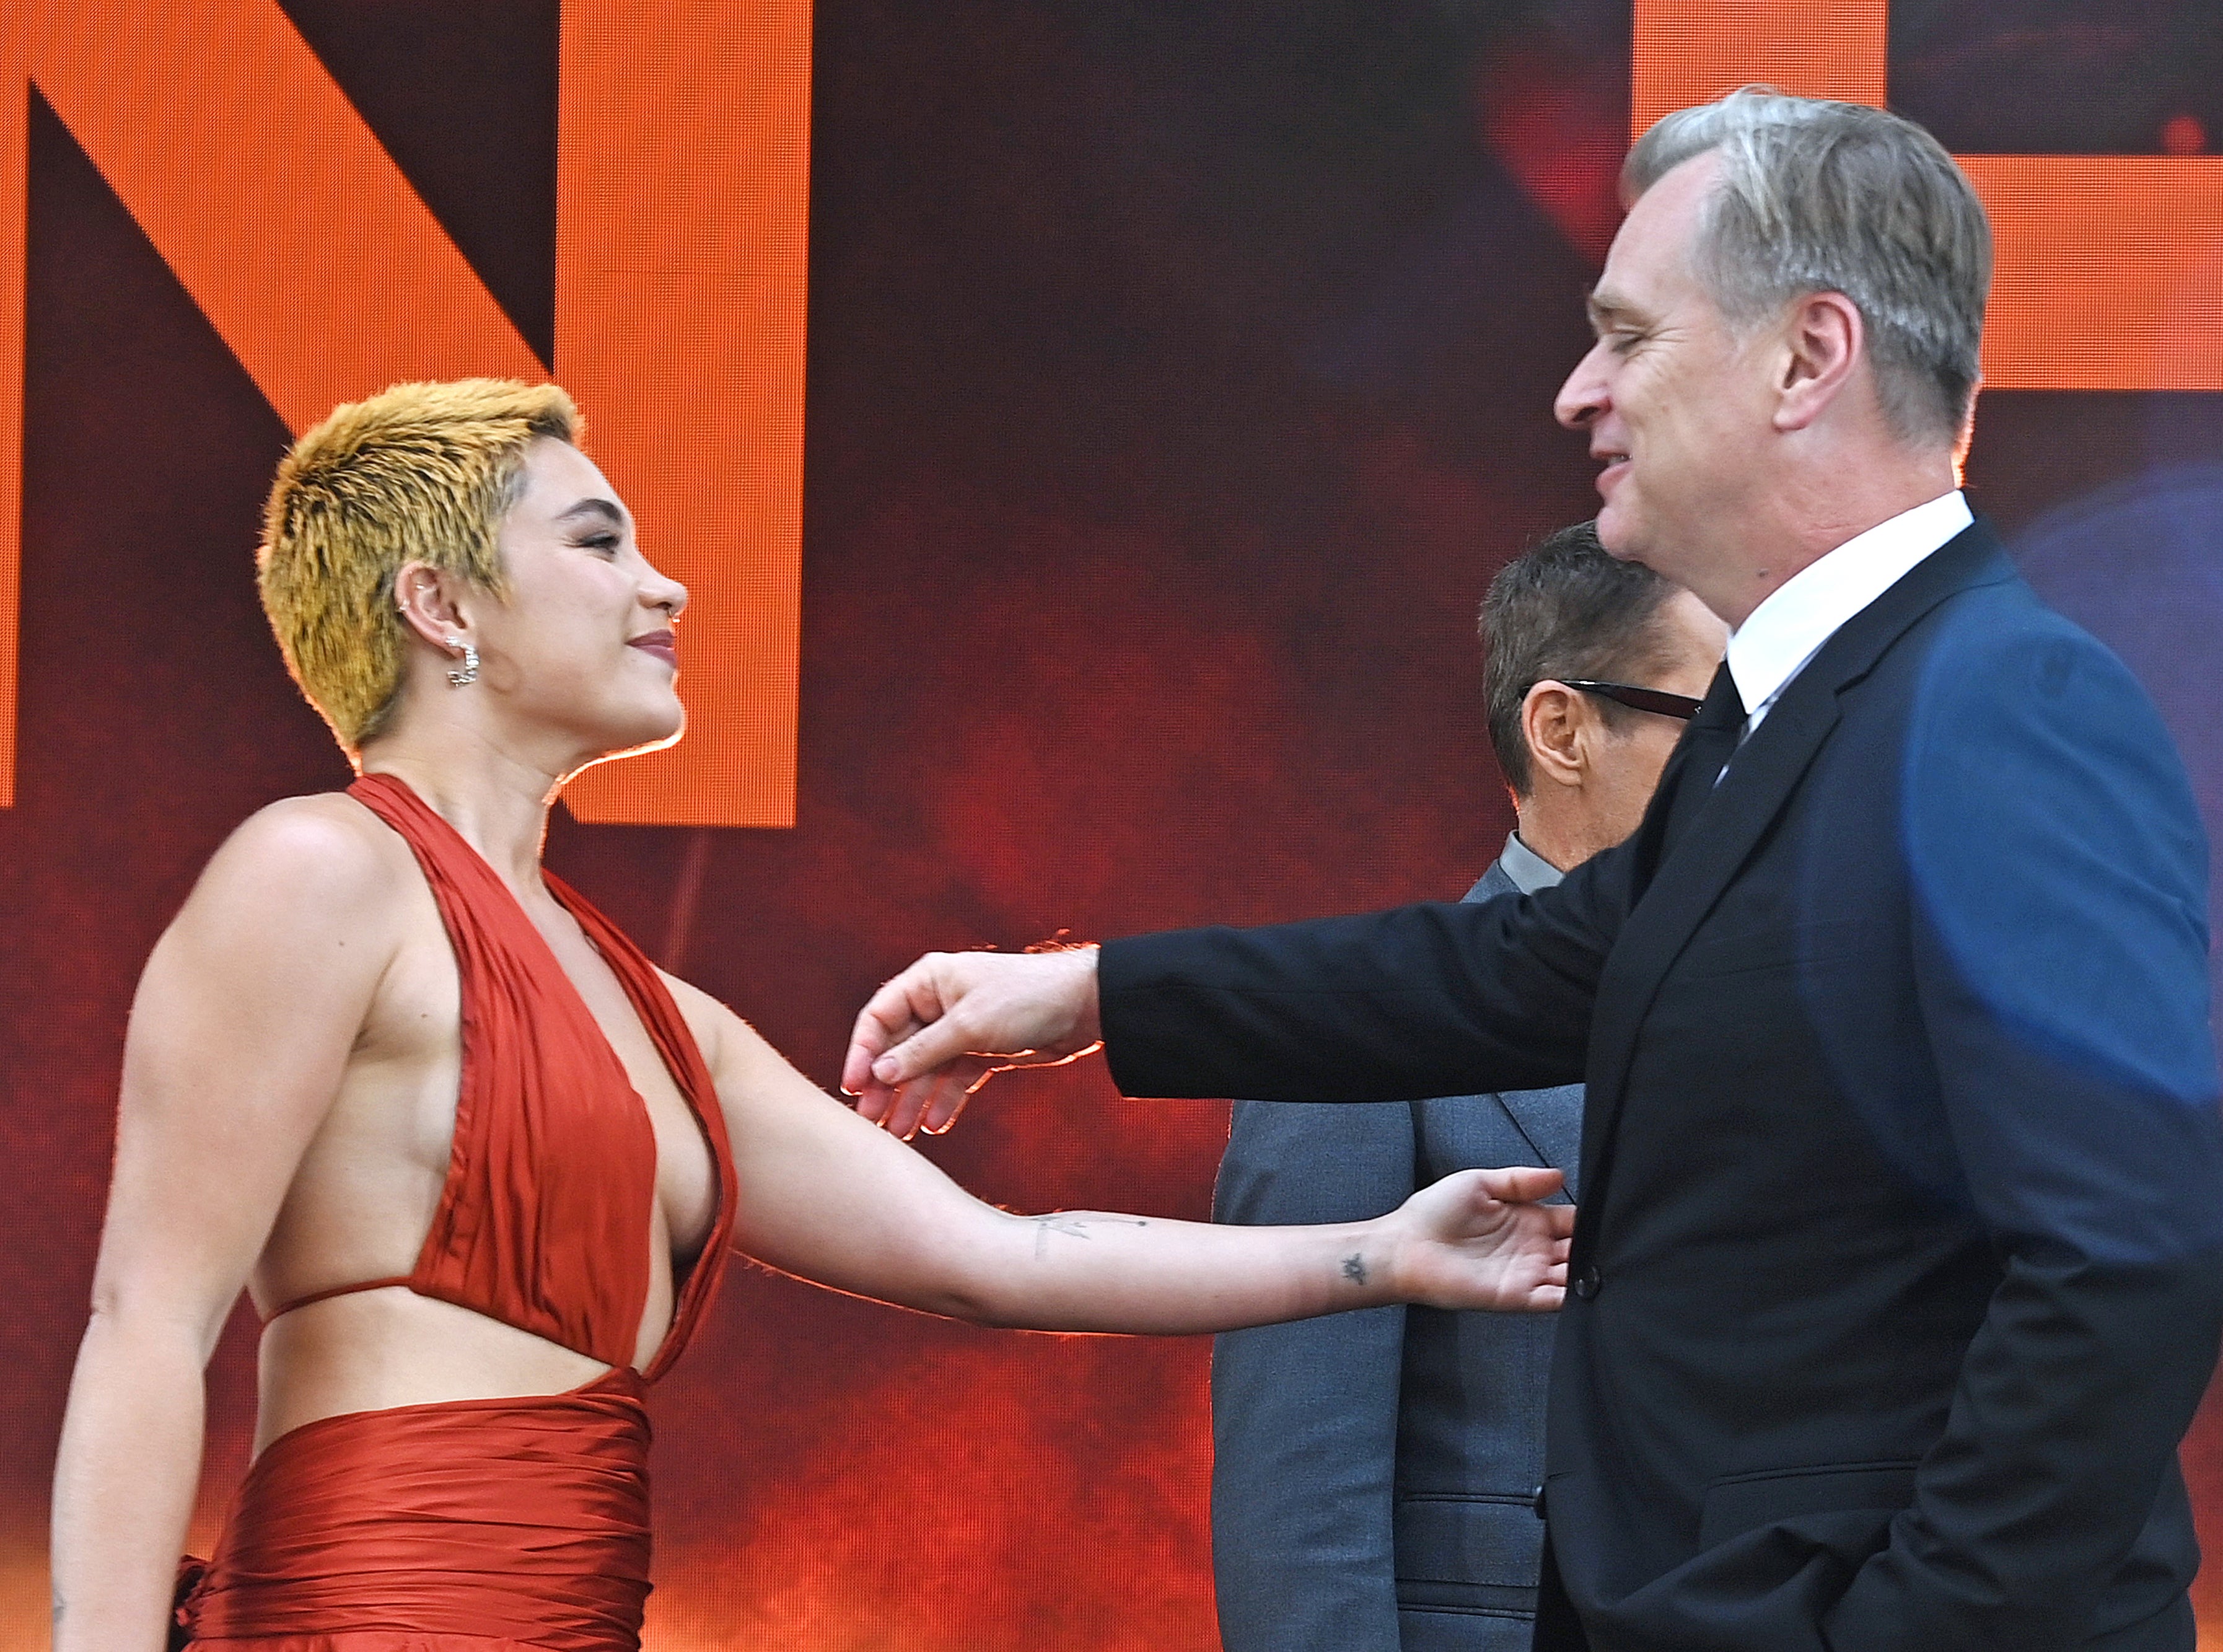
(1555, 720)
(1823, 350)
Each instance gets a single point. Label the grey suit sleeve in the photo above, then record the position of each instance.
(1304, 1416)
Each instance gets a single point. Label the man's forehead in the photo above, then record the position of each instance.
(1649, 273)
(1665, 218)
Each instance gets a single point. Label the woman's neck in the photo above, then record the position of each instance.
(496, 802)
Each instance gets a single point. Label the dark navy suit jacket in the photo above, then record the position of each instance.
(1374, 1474)
(1899, 1267)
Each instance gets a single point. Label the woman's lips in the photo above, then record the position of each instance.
(662, 644)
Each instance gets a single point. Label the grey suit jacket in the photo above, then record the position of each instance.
(1372, 1472)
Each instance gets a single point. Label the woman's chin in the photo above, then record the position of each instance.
(636, 736)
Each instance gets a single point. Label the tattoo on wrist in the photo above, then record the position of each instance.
(1354, 1268)
(1074, 1224)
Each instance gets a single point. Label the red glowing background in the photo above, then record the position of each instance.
(1177, 377)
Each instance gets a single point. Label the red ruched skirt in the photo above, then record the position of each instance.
(471, 1526)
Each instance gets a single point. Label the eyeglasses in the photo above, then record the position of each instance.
(1681, 706)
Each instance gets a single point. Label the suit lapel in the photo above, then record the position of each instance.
(1553, 1129)
(1711, 831)
(1553, 1132)
(1720, 828)
(1493, 883)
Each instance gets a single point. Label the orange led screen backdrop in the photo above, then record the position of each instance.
(2107, 264)
(1087, 427)
(682, 144)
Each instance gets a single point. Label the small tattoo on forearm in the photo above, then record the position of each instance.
(1074, 1226)
(1354, 1268)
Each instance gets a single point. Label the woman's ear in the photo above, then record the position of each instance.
(429, 600)
(1555, 720)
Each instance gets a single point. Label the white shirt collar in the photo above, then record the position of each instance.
(1779, 636)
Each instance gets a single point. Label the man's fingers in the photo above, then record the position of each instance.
(927, 1049)
(949, 1099)
(884, 1052)
(903, 1117)
(935, 1032)
(886, 1019)
(914, 1104)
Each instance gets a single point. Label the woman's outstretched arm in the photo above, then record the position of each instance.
(242, 1023)
(826, 1196)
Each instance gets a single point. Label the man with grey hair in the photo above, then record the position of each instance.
(1900, 1270)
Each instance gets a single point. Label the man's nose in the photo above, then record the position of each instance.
(1583, 397)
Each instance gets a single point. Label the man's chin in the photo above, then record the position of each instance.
(1618, 535)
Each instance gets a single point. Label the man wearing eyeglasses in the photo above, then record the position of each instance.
(1373, 1473)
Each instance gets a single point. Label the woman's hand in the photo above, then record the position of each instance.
(1479, 1239)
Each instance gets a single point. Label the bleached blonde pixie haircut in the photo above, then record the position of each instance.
(417, 473)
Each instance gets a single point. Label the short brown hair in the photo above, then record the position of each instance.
(418, 472)
(1565, 607)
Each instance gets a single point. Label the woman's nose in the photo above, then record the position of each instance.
(665, 593)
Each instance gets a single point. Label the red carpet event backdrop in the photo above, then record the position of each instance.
(1087, 426)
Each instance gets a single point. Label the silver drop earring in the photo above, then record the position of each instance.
(469, 674)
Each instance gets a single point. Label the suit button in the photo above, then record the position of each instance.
(1587, 1282)
(1536, 1502)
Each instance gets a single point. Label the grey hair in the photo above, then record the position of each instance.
(1816, 195)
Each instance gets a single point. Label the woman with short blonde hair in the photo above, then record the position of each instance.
(478, 1162)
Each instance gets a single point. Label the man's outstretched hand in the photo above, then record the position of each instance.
(943, 1028)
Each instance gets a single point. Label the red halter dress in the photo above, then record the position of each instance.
(502, 1525)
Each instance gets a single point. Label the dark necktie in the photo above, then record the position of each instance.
(1706, 748)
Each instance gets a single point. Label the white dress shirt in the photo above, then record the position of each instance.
(1779, 636)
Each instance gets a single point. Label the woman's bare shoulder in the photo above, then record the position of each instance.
(307, 862)
(284, 939)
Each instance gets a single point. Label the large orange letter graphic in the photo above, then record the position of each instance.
(2110, 268)
(681, 209)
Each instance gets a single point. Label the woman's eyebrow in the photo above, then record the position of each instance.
(603, 507)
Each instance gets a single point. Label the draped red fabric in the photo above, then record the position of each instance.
(494, 1525)
(544, 1221)
(472, 1526)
